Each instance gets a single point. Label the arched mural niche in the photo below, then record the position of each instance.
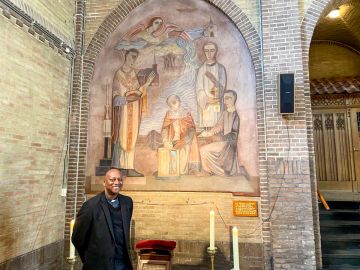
(174, 94)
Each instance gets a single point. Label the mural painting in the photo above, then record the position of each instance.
(173, 102)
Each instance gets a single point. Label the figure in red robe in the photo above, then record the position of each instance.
(179, 132)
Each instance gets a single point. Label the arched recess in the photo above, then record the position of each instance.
(315, 11)
(253, 41)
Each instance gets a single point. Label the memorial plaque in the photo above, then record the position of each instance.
(245, 208)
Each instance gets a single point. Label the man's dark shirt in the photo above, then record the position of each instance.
(117, 222)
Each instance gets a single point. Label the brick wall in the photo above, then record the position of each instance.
(56, 16)
(191, 250)
(328, 60)
(315, 9)
(293, 244)
(289, 237)
(34, 90)
(97, 11)
(184, 217)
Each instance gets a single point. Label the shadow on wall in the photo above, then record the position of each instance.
(8, 238)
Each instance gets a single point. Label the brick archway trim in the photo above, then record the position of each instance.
(312, 15)
(80, 110)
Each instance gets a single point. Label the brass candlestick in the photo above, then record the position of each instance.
(212, 253)
(71, 261)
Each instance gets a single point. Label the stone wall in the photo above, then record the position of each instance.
(34, 90)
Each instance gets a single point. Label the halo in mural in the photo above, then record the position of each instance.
(173, 102)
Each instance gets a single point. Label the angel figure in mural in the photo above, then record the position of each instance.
(210, 86)
(179, 132)
(220, 157)
(161, 39)
(127, 110)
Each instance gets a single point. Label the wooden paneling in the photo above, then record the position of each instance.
(332, 148)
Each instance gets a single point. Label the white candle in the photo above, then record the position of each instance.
(72, 248)
(212, 230)
(235, 236)
(107, 93)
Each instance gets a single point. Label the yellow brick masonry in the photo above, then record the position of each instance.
(56, 15)
(34, 90)
(184, 217)
(96, 12)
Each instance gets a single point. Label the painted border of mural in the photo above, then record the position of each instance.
(189, 62)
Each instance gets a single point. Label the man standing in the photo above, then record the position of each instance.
(102, 227)
(127, 110)
(210, 86)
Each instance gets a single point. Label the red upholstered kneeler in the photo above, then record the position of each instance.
(154, 254)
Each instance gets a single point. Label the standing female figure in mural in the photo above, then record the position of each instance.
(179, 132)
(127, 108)
(220, 157)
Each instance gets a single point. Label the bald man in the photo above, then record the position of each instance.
(102, 227)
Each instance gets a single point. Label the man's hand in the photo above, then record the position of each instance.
(133, 95)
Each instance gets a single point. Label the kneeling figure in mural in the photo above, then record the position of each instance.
(220, 157)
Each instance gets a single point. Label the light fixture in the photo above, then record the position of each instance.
(334, 13)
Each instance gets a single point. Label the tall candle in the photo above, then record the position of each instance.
(107, 93)
(212, 230)
(72, 248)
(235, 236)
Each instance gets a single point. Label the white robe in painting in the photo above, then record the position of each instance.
(220, 157)
(210, 95)
(126, 119)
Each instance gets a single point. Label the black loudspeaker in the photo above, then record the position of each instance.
(286, 96)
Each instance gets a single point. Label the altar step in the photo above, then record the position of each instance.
(340, 235)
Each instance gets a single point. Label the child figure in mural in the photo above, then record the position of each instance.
(210, 86)
(220, 157)
(127, 109)
(179, 132)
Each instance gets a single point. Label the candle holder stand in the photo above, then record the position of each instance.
(212, 253)
(71, 262)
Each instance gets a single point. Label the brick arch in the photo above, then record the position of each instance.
(83, 72)
(111, 22)
(232, 11)
(316, 9)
